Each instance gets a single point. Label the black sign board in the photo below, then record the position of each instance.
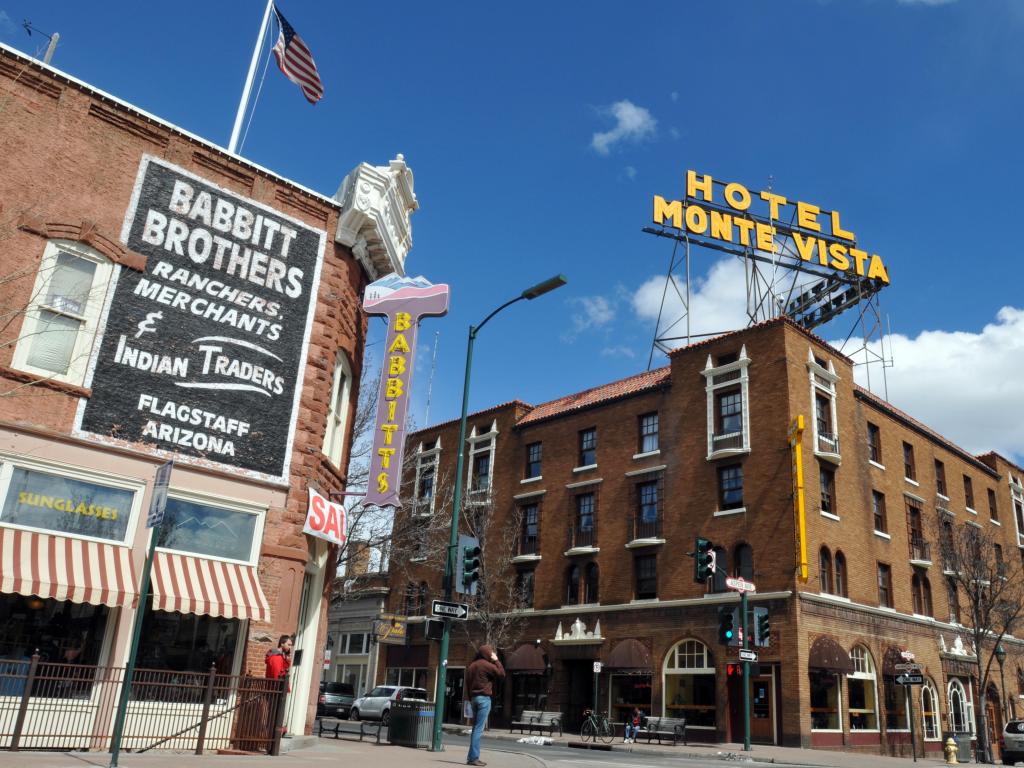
(201, 353)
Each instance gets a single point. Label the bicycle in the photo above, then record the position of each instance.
(596, 727)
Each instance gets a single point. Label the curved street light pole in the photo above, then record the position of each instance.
(453, 540)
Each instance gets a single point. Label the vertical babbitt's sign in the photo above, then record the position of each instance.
(403, 300)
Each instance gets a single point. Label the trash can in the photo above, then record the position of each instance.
(411, 724)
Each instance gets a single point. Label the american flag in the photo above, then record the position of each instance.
(295, 60)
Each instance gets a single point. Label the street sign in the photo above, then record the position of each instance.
(740, 585)
(158, 501)
(449, 610)
(909, 679)
(597, 667)
(906, 667)
(746, 655)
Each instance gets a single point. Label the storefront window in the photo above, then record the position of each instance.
(202, 529)
(961, 714)
(895, 706)
(52, 502)
(630, 691)
(930, 710)
(63, 632)
(689, 684)
(408, 676)
(824, 700)
(862, 687)
(184, 642)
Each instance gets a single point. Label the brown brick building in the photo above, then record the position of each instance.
(610, 488)
(163, 298)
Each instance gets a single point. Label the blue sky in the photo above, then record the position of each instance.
(538, 133)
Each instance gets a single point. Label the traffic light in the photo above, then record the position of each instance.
(704, 560)
(726, 625)
(762, 628)
(733, 669)
(467, 564)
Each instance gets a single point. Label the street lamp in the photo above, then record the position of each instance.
(1000, 653)
(529, 294)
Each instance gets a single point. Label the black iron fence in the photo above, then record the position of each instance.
(73, 707)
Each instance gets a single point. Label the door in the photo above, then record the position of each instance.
(995, 722)
(454, 686)
(579, 678)
(762, 706)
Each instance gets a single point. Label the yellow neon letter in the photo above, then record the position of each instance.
(858, 257)
(838, 253)
(744, 226)
(765, 237)
(385, 457)
(737, 196)
(696, 219)
(807, 216)
(804, 247)
(399, 344)
(705, 185)
(876, 270)
(391, 410)
(403, 321)
(382, 482)
(664, 209)
(389, 432)
(774, 201)
(721, 226)
(397, 366)
(393, 389)
(838, 230)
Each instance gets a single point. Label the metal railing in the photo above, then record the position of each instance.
(920, 549)
(580, 536)
(727, 441)
(528, 544)
(646, 527)
(73, 706)
(828, 442)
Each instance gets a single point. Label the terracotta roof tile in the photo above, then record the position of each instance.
(578, 401)
(471, 416)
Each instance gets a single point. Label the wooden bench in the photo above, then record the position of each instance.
(664, 728)
(337, 727)
(535, 719)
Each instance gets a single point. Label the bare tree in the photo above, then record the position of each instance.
(988, 594)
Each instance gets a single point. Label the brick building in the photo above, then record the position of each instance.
(611, 486)
(163, 299)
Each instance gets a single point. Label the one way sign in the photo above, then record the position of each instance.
(909, 678)
(449, 610)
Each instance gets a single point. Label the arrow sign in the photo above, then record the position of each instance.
(909, 679)
(449, 610)
(746, 655)
(740, 585)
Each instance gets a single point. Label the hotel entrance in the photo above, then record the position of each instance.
(762, 705)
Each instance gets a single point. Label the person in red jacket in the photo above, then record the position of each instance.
(279, 660)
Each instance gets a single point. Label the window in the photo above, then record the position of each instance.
(647, 525)
(823, 414)
(524, 588)
(648, 433)
(195, 527)
(572, 585)
(337, 409)
(961, 710)
(357, 643)
(730, 487)
(590, 584)
(743, 562)
(878, 509)
(534, 453)
(874, 443)
(827, 480)
(840, 574)
(909, 470)
(62, 631)
(425, 486)
(529, 542)
(416, 598)
(919, 549)
(930, 711)
(885, 597)
(588, 448)
(993, 506)
(481, 473)
(824, 700)
(721, 570)
(825, 570)
(646, 576)
(940, 479)
(186, 642)
(61, 319)
(688, 682)
(953, 599)
(997, 551)
(727, 388)
(968, 493)
(823, 378)
(921, 590)
(584, 530)
(481, 467)
(896, 718)
(862, 691)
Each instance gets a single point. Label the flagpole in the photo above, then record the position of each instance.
(248, 80)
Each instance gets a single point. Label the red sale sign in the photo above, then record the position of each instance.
(325, 519)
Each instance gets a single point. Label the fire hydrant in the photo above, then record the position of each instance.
(950, 751)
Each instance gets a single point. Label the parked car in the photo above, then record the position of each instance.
(376, 705)
(1013, 742)
(335, 700)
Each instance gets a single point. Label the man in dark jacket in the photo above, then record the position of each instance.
(480, 678)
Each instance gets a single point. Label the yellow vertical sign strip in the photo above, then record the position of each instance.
(796, 435)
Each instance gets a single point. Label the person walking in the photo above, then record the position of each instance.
(480, 678)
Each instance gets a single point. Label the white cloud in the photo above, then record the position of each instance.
(590, 312)
(632, 123)
(6, 25)
(674, 132)
(630, 172)
(717, 302)
(925, 2)
(618, 351)
(967, 386)
(674, 95)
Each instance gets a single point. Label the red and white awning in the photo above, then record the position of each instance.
(191, 584)
(63, 568)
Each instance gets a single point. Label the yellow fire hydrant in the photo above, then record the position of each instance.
(950, 750)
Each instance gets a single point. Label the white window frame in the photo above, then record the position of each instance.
(426, 458)
(929, 686)
(337, 409)
(710, 374)
(1017, 498)
(823, 381)
(232, 505)
(10, 462)
(968, 704)
(91, 316)
(478, 444)
(671, 667)
(865, 673)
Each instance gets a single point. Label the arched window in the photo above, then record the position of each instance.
(863, 691)
(411, 599)
(688, 682)
(953, 599)
(930, 711)
(825, 570)
(921, 590)
(423, 598)
(572, 585)
(840, 584)
(743, 562)
(590, 584)
(721, 570)
(337, 409)
(961, 711)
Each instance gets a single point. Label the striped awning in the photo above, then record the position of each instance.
(192, 584)
(62, 568)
